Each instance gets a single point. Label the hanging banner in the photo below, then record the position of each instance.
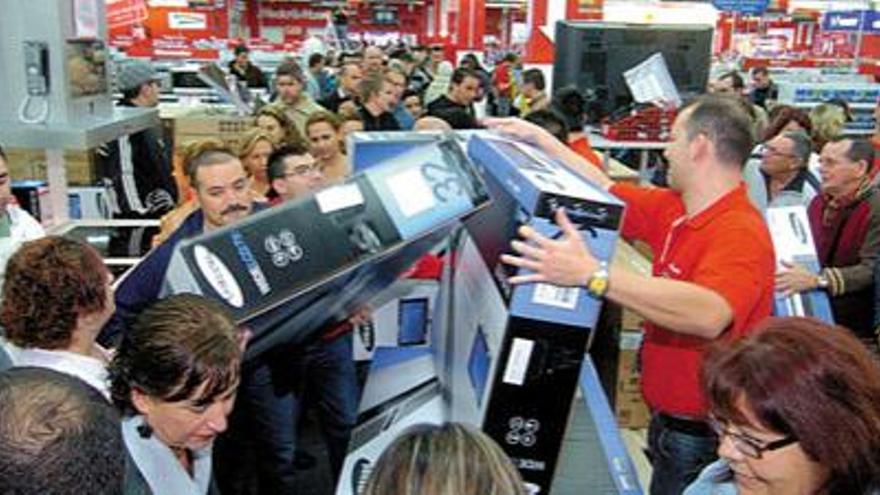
(121, 13)
(852, 20)
(187, 20)
(753, 7)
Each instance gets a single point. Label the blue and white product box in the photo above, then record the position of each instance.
(793, 242)
(368, 149)
(289, 270)
(519, 352)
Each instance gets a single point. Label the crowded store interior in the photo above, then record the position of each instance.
(440, 247)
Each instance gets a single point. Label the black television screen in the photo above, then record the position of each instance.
(594, 56)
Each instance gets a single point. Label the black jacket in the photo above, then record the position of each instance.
(458, 116)
(384, 122)
(252, 75)
(139, 168)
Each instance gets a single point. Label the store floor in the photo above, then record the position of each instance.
(314, 480)
(636, 442)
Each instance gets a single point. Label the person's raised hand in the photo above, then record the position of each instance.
(565, 261)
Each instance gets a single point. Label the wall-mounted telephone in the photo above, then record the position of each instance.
(36, 67)
(36, 70)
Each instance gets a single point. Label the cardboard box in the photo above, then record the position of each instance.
(227, 128)
(630, 407)
(631, 259)
(30, 164)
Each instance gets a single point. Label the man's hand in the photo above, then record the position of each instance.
(521, 129)
(566, 261)
(362, 316)
(795, 279)
(526, 131)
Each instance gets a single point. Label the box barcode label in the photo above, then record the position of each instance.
(553, 295)
(518, 362)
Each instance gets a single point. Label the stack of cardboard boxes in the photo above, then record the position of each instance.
(628, 404)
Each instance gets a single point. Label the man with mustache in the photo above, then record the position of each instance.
(223, 194)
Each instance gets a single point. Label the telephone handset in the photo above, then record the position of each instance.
(36, 70)
(36, 67)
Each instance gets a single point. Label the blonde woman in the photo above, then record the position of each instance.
(449, 459)
(254, 150)
(272, 120)
(828, 121)
(324, 131)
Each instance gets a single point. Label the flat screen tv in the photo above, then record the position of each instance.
(593, 56)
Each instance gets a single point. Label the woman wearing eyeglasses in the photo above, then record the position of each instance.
(796, 407)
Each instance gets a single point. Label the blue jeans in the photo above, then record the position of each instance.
(263, 424)
(676, 457)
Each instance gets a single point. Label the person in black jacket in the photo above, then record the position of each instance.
(139, 165)
(350, 76)
(245, 71)
(379, 98)
(456, 106)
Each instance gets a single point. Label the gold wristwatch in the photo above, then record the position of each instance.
(597, 284)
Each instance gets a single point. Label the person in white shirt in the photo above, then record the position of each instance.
(16, 225)
(56, 299)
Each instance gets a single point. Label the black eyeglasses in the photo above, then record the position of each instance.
(746, 445)
(304, 169)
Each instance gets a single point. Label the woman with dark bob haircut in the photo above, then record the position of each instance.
(449, 459)
(174, 377)
(796, 406)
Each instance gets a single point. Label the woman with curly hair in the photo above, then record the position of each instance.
(56, 299)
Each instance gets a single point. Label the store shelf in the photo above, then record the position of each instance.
(81, 136)
(813, 104)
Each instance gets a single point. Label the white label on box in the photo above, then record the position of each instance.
(553, 295)
(790, 229)
(518, 362)
(339, 197)
(412, 194)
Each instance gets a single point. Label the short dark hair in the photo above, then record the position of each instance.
(802, 146)
(410, 93)
(725, 123)
(461, 73)
(292, 69)
(371, 86)
(736, 80)
(50, 283)
(570, 102)
(239, 49)
(315, 59)
(551, 121)
(814, 382)
(57, 435)
(859, 149)
(173, 348)
(277, 167)
(760, 70)
(534, 77)
(203, 153)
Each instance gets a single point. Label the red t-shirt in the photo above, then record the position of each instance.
(582, 147)
(725, 248)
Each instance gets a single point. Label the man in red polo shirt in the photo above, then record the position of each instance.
(713, 271)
